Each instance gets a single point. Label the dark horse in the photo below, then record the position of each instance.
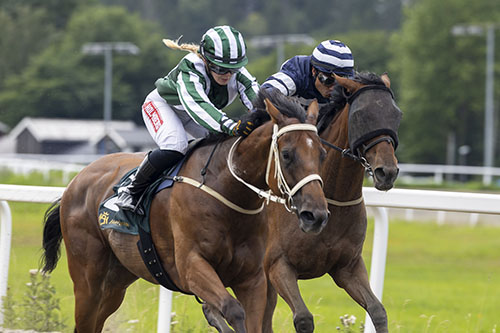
(366, 120)
(204, 245)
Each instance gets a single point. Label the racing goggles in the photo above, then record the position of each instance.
(326, 80)
(221, 70)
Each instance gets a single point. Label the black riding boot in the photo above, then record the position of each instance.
(150, 169)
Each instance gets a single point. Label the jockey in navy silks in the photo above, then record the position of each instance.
(189, 100)
(310, 77)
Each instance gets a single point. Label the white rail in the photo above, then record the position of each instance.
(415, 199)
(438, 170)
(396, 198)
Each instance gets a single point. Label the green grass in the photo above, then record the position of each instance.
(438, 279)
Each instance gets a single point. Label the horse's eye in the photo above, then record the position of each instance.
(286, 154)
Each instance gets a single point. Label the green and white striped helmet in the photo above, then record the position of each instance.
(224, 46)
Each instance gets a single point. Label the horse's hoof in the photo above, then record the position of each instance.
(304, 325)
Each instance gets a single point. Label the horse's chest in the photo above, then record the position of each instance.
(316, 256)
(233, 255)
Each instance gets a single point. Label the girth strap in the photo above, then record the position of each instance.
(153, 264)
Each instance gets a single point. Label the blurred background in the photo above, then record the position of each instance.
(434, 51)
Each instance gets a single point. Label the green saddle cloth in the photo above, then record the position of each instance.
(112, 217)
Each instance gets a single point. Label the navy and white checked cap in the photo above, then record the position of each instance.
(333, 56)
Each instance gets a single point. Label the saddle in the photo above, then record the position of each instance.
(112, 217)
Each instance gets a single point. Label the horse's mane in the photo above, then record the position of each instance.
(286, 105)
(339, 98)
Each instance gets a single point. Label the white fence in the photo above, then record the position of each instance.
(44, 163)
(438, 170)
(396, 198)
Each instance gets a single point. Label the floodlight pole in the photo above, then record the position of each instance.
(108, 82)
(489, 116)
(107, 49)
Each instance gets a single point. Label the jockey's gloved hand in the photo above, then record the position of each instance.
(242, 128)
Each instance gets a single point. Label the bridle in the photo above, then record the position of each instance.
(360, 153)
(283, 186)
(284, 189)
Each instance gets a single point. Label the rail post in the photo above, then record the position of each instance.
(5, 237)
(379, 255)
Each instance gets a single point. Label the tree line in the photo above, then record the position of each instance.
(438, 78)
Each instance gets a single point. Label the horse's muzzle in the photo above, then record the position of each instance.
(313, 221)
(385, 177)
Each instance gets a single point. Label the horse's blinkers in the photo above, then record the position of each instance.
(372, 113)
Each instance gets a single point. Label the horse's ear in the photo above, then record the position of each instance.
(275, 114)
(312, 112)
(386, 80)
(349, 84)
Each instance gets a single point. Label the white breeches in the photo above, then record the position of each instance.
(170, 128)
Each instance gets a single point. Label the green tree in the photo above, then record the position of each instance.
(58, 11)
(368, 49)
(441, 78)
(25, 32)
(63, 82)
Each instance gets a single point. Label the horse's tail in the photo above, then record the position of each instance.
(52, 237)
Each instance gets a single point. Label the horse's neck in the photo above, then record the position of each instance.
(342, 176)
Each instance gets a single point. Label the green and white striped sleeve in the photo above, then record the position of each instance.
(248, 87)
(191, 91)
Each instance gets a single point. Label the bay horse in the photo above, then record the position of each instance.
(204, 245)
(364, 124)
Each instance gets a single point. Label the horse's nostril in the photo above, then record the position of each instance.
(307, 216)
(380, 173)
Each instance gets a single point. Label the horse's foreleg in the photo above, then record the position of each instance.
(215, 319)
(252, 295)
(272, 299)
(284, 280)
(203, 281)
(354, 279)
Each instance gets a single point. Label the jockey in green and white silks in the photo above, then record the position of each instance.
(188, 103)
(195, 97)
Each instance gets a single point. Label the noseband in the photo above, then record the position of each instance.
(283, 186)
